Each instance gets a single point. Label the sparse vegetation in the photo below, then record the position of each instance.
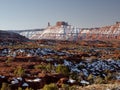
(62, 69)
(51, 86)
(19, 71)
(89, 61)
(10, 59)
(5, 86)
(98, 80)
(65, 87)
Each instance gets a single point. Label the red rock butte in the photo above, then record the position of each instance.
(64, 31)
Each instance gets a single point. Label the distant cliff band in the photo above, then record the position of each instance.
(64, 31)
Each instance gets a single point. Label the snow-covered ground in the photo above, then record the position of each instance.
(96, 68)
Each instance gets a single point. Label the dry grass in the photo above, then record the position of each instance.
(101, 87)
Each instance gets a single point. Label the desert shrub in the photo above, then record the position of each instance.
(42, 67)
(74, 75)
(81, 77)
(28, 88)
(51, 86)
(62, 69)
(19, 71)
(73, 88)
(9, 59)
(98, 80)
(90, 78)
(108, 77)
(5, 86)
(19, 88)
(65, 87)
(50, 67)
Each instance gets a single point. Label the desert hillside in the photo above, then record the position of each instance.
(11, 37)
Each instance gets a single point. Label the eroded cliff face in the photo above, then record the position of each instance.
(63, 31)
(107, 32)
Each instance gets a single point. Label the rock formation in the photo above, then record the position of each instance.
(63, 31)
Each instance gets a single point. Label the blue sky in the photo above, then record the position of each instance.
(30, 14)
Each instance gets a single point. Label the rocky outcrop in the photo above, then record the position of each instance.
(107, 32)
(29, 33)
(63, 31)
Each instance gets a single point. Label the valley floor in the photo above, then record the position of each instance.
(83, 65)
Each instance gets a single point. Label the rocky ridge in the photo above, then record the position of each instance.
(64, 31)
(11, 37)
